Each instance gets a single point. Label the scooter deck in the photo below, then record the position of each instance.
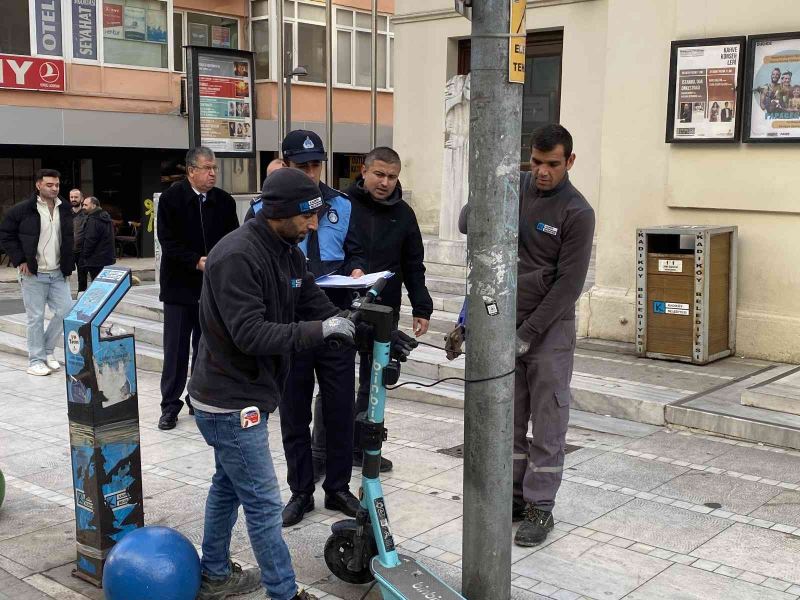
(411, 580)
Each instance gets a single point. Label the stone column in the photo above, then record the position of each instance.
(455, 168)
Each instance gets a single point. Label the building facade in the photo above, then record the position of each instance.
(96, 89)
(601, 68)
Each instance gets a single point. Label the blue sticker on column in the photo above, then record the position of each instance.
(83, 476)
(118, 466)
(660, 307)
(86, 566)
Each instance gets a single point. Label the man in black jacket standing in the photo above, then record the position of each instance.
(37, 236)
(76, 198)
(193, 216)
(259, 306)
(387, 229)
(98, 238)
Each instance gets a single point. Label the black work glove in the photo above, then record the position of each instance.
(401, 345)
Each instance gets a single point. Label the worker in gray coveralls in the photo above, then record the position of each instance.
(556, 227)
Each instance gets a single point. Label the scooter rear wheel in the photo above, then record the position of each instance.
(338, 552)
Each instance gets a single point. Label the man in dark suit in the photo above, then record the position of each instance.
(727, 113)
(193, 216)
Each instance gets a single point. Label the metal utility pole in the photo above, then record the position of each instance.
(288, 86)
(495, 130)
(280, 70)
(373, 92)
(329, 90)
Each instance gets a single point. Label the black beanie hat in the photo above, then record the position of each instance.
(289, 192)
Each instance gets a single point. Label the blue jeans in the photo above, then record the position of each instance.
(40, 290)
(245, 475)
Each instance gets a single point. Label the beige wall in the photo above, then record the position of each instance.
(112, 89)
(647, 182)
(425, 57)
(614, 92)
(146, 91)
(308, 104)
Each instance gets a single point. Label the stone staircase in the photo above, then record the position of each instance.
(733, 397)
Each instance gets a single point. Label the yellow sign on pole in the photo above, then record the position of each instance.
(516, 43)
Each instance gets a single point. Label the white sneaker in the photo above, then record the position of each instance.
(39, 369)
(52, 363)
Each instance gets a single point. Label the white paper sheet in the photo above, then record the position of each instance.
(343, 281)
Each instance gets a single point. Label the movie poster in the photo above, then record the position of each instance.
(220, 37)
(135, 28)
(774, 88)
(198, 34)
(704, 90)
(157, 26)
(225, 98)
(112, 21)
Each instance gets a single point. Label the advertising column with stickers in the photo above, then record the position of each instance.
(103, 412)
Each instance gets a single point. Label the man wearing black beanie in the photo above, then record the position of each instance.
(259, 306)
(332, 248)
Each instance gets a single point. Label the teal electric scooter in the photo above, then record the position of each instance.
(362, 549)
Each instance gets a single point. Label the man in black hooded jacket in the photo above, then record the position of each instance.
(387, 229)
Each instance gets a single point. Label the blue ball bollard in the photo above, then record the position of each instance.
(152, 563)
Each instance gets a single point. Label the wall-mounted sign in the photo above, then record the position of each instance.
(516, 45)
(705, 79)
(84, 29)
(156, 26)
(198, 34)
(220, 37)
(135, 23)
(772, 98)
(112, 21)
(48, 27)
(221, 101)
(31, 73)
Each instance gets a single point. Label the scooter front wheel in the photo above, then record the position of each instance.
(338, 552)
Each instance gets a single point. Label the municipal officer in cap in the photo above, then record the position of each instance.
(332, 248)
(259, 306)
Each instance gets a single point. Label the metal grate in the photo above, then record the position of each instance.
(458, 451)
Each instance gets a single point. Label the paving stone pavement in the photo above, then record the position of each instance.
(644, 512)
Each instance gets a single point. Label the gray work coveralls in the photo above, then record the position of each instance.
(556, 229)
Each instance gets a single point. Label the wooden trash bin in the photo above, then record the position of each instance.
(686, 292)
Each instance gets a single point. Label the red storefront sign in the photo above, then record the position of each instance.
(31, 73)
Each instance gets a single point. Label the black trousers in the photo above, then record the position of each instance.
(82, 280)
(335, 374)
(362, 402)
(181, 326)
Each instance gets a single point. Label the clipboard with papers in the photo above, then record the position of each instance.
(345, 282)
